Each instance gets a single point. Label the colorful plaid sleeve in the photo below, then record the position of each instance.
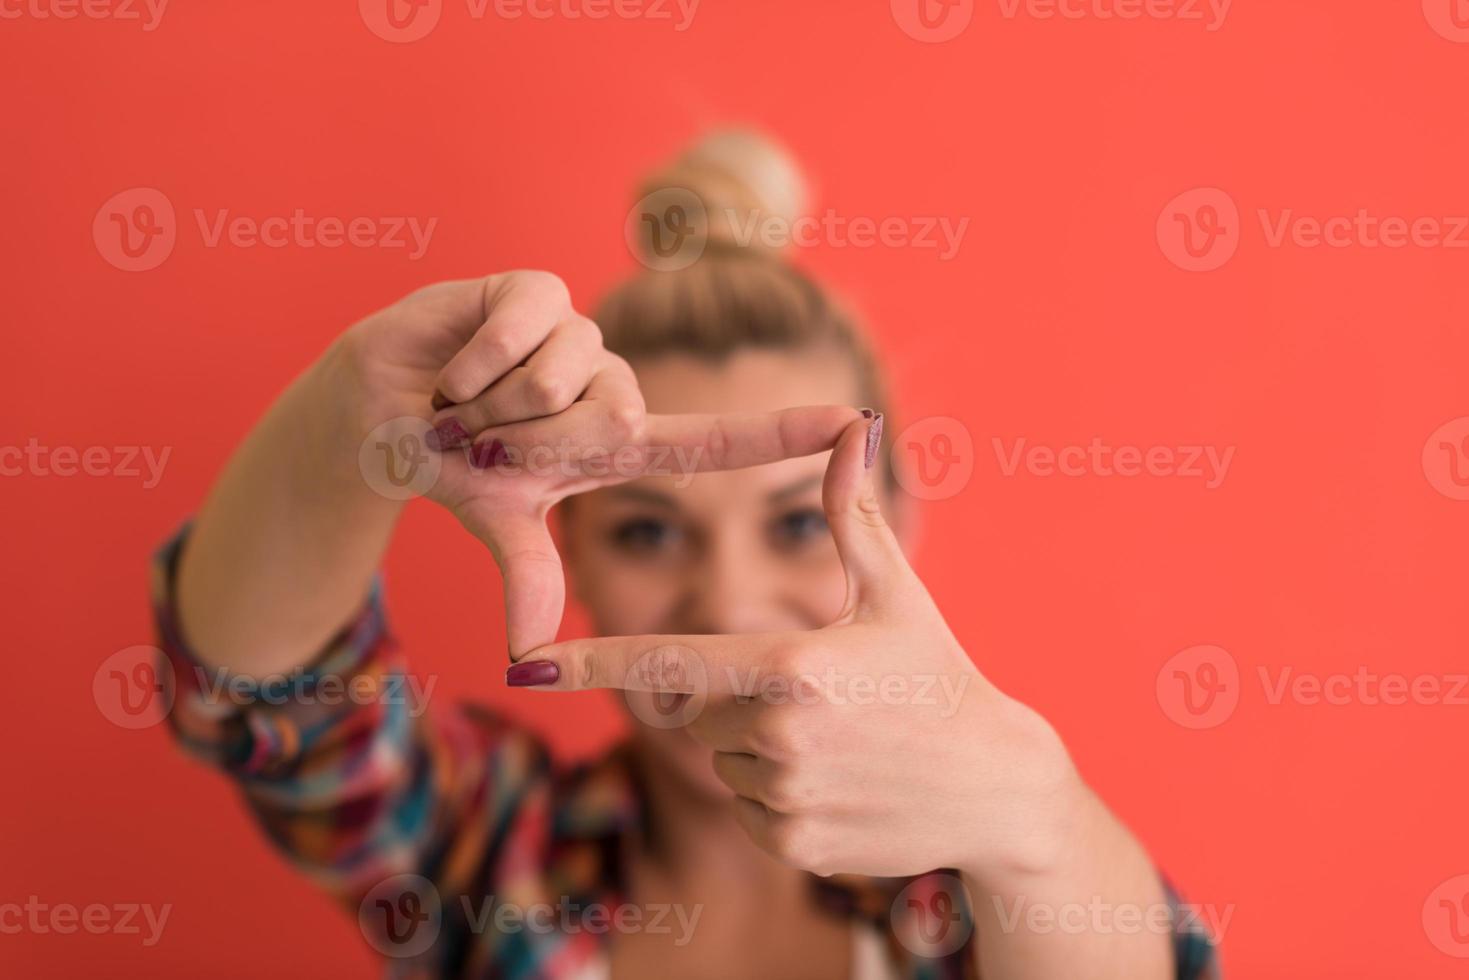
(1193, 945)
(344, 764)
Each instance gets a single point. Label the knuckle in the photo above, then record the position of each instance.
(495, 346)
(778, 736)
(546, 390)
(457, 386)
(628, 423)
(586, 328)
(795, 659)
(586, 672)
(548, 282)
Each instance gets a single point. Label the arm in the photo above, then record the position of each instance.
(882, 750)
(293, 527)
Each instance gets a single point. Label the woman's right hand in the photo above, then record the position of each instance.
(527, 407)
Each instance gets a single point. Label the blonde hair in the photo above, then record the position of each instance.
(740, 292)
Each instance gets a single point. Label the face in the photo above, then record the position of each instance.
(733, 552)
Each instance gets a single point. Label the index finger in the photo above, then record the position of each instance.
(730, 442)
(693, 664)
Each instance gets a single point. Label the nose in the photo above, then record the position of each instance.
(734, 590)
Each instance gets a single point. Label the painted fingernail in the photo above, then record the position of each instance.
(868, 413)
(440, 402)
(874, 439)
(532, 674)
(483, 455)
(448, 434)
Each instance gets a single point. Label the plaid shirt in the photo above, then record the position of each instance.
(441, 829)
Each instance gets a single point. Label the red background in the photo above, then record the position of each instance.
(1325, 550)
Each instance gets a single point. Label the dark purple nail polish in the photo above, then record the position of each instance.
(532, 674)
(448, 434)
(874, 439)
(868, 414)
(483, 455)
(440, 402)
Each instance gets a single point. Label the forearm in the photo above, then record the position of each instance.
(1099, 912)
(284, 548)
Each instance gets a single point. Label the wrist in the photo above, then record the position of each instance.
(1052, 811)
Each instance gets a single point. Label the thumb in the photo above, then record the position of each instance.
(875, 564)
(535, 587)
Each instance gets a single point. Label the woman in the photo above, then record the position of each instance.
(810, 742)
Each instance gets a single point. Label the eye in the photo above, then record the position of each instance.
(643, 535)
(799, 527)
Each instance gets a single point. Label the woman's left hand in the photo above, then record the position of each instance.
(873, 746)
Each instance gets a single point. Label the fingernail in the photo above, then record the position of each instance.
(448, 434)
(868, 413)
(532, 674)
(440, 402)
(874, 439)
(483, 455)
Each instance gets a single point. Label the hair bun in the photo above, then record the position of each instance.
(738, 189)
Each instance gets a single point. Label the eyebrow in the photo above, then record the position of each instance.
(660, 499)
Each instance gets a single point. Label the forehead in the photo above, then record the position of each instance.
(748, 381)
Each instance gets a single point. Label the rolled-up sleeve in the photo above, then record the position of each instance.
(1194, 949)
(346, 765)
